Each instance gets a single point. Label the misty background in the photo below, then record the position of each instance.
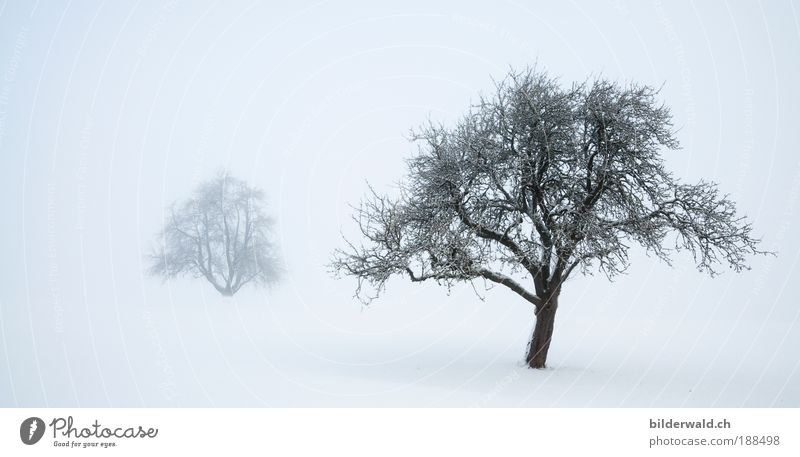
(110, 112)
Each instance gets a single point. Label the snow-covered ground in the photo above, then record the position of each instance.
(184, 345)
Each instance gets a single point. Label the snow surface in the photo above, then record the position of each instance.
(184, 345)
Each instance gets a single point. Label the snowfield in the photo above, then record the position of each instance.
(184, 345)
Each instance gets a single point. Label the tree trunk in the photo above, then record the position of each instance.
(224, 291)
(542, 334)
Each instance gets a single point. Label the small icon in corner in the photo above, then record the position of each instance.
(31, 430)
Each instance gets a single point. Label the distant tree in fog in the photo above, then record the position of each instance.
(220, 234)
(536, 183)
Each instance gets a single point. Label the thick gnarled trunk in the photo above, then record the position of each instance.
(542, 333)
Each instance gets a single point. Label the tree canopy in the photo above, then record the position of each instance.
(539, 181)
(221, 234)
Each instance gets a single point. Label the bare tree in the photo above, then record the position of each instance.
(538, 182)
(221, 234)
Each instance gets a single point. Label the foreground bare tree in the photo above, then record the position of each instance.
(220, 234)
(538, 182)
